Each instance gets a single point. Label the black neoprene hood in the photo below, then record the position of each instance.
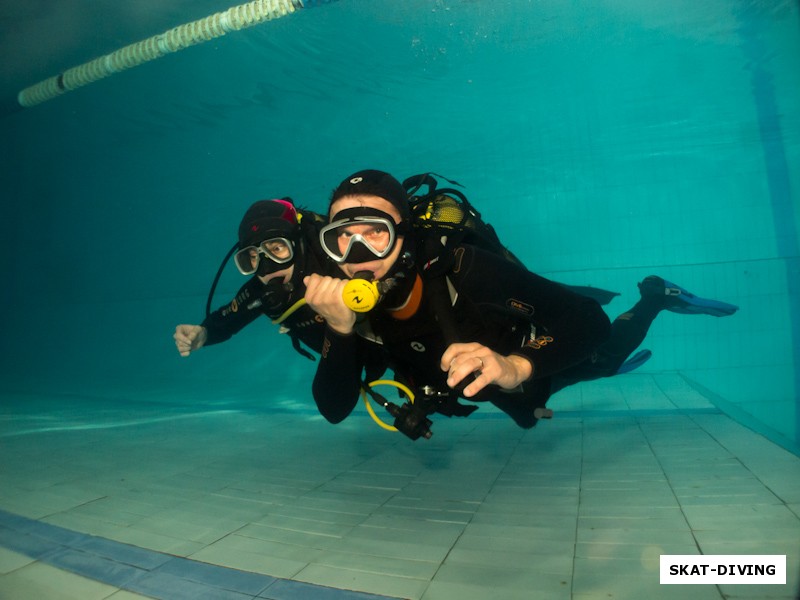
(371, 182)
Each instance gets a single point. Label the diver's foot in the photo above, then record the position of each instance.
(678, 300)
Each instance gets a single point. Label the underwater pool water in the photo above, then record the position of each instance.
(605, 142)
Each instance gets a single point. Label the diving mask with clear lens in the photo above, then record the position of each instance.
(269, 256)
(359, 235)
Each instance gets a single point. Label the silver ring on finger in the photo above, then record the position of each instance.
(480, 369)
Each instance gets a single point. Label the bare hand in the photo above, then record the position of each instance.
(189, 338)
(324, 295)
(508, 372)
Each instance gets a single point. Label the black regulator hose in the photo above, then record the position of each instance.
(218, 275)
(442, 310)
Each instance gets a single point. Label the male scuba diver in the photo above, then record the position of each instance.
(458, 322)
(278, 245)
(442, 317)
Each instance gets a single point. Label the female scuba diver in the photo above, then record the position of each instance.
(278, 245)
(457, 321)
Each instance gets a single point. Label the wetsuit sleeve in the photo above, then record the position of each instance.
(338, 378)
(225, 322)
(568, 326)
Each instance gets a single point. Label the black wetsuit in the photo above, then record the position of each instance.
(498, 304)
(253, 300)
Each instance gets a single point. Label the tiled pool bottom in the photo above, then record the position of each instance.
(580, 507)
(154, 574)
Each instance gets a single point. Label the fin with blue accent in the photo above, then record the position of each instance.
(679, 300)
(634, 362)
(684, 302)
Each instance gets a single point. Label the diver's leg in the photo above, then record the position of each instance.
(630, 328)
(657, 294)
(628, 331)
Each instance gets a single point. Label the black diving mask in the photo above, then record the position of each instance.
(269, 256)
(360, 235)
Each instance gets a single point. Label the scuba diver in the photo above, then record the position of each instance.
(278, 245)
(455, 321)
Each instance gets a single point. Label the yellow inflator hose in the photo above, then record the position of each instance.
(371, 411)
